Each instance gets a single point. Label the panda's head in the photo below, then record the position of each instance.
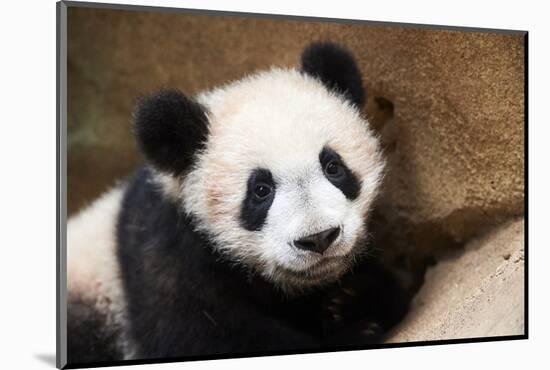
(279, 168)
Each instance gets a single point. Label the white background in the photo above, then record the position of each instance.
(27, 199)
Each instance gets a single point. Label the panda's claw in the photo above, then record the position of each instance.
(350, 292)
(372, 329)
(336, 300)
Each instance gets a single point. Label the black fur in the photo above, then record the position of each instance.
(90, 337)
(254, 210)
(170, 128)
(184, 299)
(347, 182)
(336, 68)
(368, 302)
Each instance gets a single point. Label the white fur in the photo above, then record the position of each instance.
(280, 120)
(93, 273)
(92, 268)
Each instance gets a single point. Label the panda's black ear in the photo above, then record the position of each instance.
(336, 68)
(169, 129)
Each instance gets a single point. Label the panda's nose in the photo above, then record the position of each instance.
(318, 242)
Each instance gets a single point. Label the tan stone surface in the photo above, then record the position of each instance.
(478, 293)
(455, 141)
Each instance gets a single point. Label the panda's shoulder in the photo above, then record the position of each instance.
(145, 205)
(140, 188)
(153, 232)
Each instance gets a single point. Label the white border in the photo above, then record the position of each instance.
(28, 186)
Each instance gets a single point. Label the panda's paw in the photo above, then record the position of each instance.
(340, 304)
(349, 302)
(341, 323)
(349, 317)
(355, 333)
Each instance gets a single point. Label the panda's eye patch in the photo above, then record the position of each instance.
(262, 191)
(334, 169)
(339, 175)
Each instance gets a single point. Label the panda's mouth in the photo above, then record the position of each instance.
(325, 268)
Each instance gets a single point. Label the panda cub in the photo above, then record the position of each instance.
(246, 229)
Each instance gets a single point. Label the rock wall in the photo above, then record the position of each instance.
(478, 292)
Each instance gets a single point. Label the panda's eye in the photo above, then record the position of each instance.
(334, 169)
(262, 191)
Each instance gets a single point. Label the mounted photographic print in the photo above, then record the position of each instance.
(235, 185)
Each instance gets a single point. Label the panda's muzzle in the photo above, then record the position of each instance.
(318, 242)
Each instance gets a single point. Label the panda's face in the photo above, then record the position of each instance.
(286, 177)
